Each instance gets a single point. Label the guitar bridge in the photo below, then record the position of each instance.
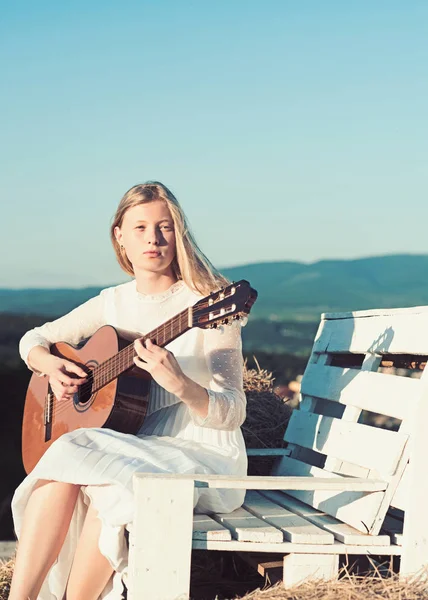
(47, 414)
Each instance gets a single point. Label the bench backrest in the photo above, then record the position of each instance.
(361, 363)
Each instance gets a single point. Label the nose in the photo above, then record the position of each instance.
(153, 236)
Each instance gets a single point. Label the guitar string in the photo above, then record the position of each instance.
(108, 367)
(126, 354)
(64, 405)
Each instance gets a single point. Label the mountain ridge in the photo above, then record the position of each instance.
(287, 289)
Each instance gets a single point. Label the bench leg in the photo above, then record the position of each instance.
(161, 541)
(299, 568)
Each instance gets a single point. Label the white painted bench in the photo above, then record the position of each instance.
(341, 487)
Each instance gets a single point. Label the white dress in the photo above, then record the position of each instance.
(172, 439)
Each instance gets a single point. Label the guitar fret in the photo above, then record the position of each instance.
(123, 360)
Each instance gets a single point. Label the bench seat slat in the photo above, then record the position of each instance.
(268, 452)
(245, 527)
(205, 528)
(289, 547)
(295, 528)
(354, 508)
(342, 531)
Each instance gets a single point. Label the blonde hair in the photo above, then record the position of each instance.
(189, 264)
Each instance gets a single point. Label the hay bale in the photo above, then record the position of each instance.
(267, 417)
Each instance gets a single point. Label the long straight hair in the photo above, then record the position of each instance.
(189, 264)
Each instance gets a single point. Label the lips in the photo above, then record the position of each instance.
(151, 253)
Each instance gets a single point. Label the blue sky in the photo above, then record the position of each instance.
(289, 130)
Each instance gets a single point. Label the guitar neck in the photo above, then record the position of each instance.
(124, 360)
(221, 307)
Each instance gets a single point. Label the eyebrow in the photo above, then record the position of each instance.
(161, 221)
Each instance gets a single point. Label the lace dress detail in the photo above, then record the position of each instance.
(173, 439)
(161, 296)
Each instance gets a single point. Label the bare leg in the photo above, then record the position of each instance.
(91, 570)
(46, 521)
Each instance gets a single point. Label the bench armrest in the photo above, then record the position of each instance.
(348, 484)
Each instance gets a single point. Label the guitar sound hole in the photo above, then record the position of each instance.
(83, 400)
(84, 395)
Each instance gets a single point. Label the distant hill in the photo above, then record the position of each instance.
(287, 290)
(291, 288)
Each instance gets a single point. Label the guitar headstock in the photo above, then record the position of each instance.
(232, 302)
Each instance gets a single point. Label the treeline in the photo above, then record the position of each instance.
(13, 387)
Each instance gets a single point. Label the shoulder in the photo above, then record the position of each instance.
(191, 293)
(122, 289)
(113, 297)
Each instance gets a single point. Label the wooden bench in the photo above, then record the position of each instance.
(341, 487)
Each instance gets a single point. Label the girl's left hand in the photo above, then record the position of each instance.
(161, 364)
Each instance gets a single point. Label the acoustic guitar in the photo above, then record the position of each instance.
(116, 393)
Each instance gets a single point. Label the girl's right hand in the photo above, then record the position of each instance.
(65, 377)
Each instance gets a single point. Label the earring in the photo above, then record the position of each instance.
(121, 247)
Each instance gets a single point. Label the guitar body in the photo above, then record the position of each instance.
(121, 404)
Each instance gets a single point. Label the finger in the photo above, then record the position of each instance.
(156, 350)
(69, 390)
(152, 347)
(66, 398)
(141, 364)
(139, 343)
(61, 395)
(65, 380)
(73, 368)
(57, 393)
(141, 350)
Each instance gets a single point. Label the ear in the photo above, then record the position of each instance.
(118, 235)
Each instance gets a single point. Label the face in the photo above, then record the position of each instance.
(148, 236)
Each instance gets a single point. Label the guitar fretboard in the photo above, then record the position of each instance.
(124, 360)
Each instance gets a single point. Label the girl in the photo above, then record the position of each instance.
(71, 511)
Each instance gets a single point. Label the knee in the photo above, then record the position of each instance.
(72, 594)
(57, 487)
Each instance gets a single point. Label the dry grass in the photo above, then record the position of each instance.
(6, 570)
(231, 579)
(350, 587)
